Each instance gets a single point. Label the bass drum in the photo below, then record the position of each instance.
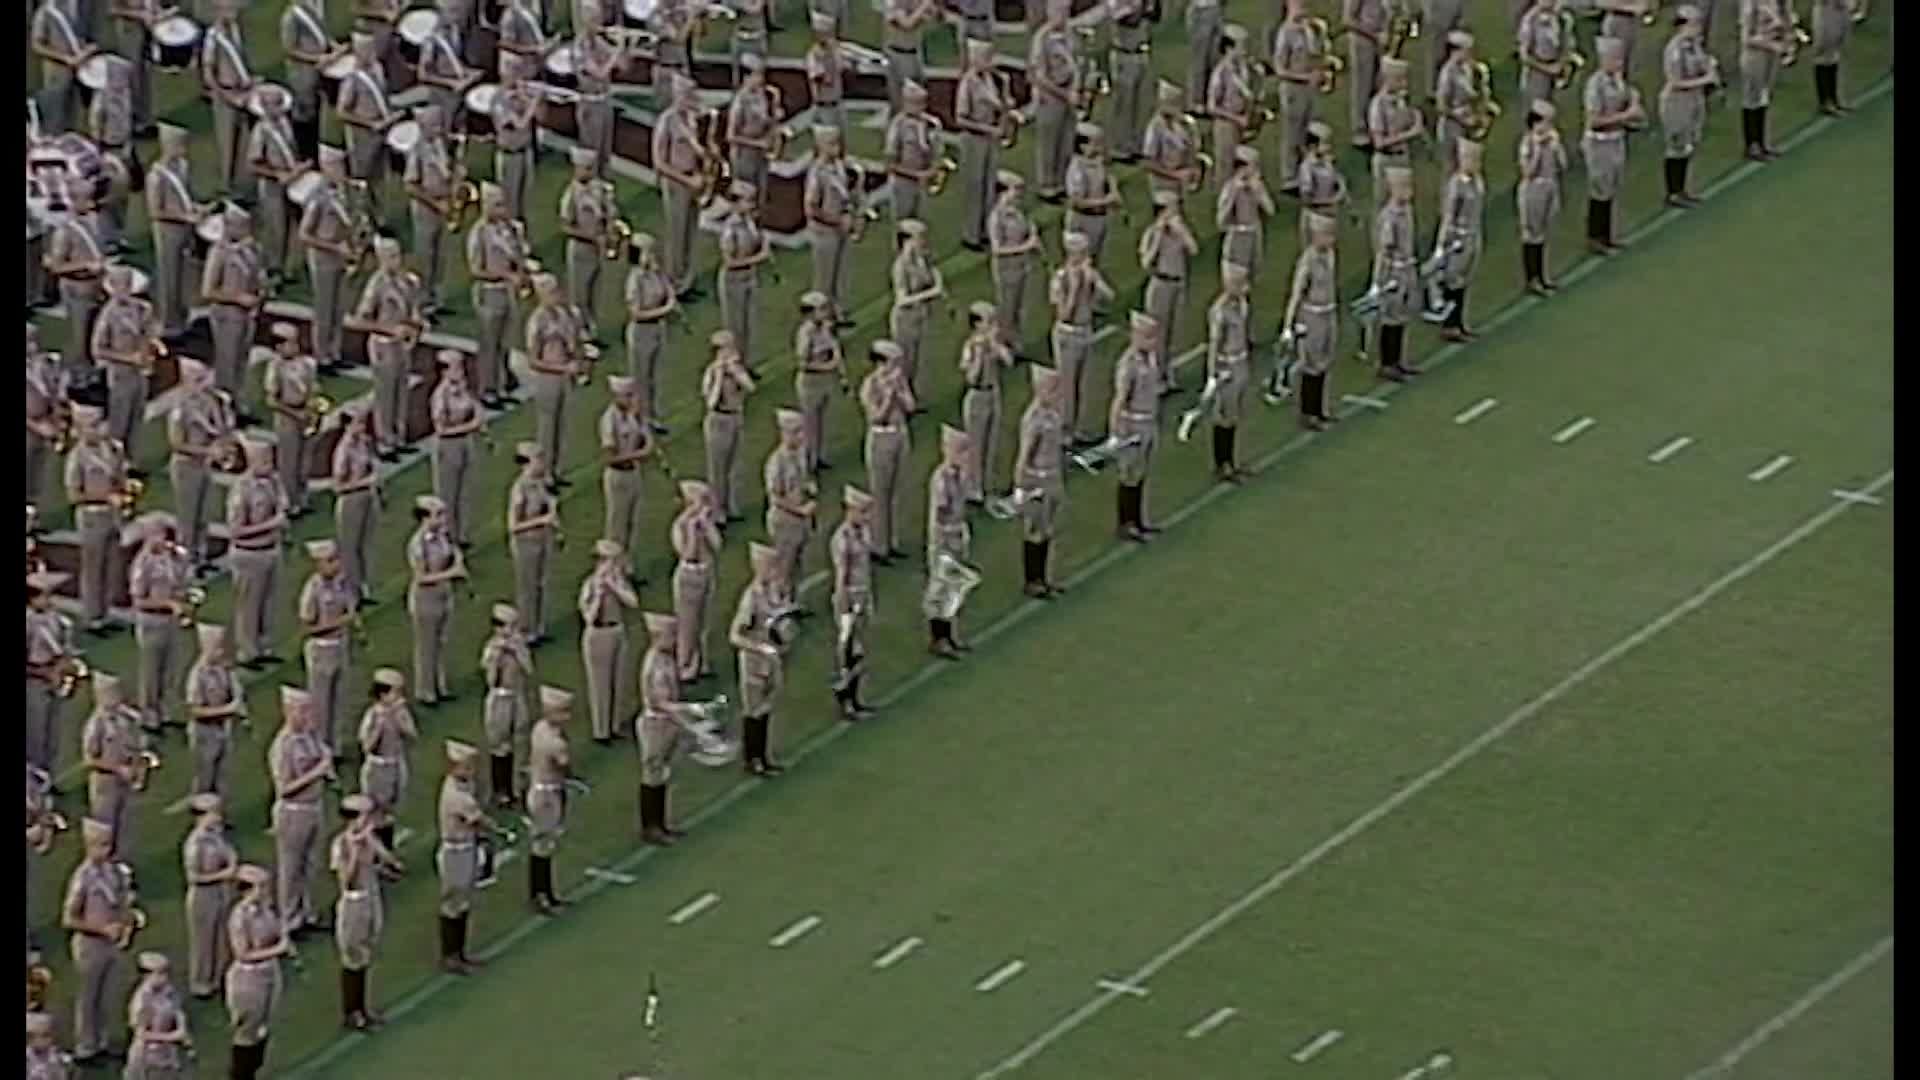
(92, 77)
(176, 39)
(301, 189)
(479, 112)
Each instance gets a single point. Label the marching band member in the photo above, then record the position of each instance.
(827, 66)
(496, 258)
(291, 387)
(45, 1059)
(1092, 193)
(1396, 273)
(695, 535)
(228, 81)
(1313, 317)
(949, 490)
(1542, 160)
(1075, 290)
(1170, 153)
(658, 729)
(604, 595)
(753, 636)
(96, 476)
(976, 20)
(1365, 24)
(214, 702)
(743, 248)
(1453, 97)
(724, 387)
(390, 312)
(275, 156)
(111, 744)
(1229, 368)
(256, 525)
(506, 663)
(913, 144)
(1612, 109)
(983, 358)
(199, 426)
(46, 411)
(533, 531)
(1128, 62)
(56, 35)
(124, 336)
(157, 584)
(328, 609)
(1393, 123)
(1463, 208)
(77, 259)
(677, 157)
(1832, 26)
(887, 397)
(981, 113)
(916, 286)
(1241, 212)
(363, 106)
(1690, 72)
(624, 446)
(356, 496)
(1167, 248)
(161, 1039)
(820, 366)
(1053, 73)
(430, 176)
(443, 71)
(210, 861)
(1037, 475)
(598, 59)
(750, 26)
(435, 563)
(553, 350)
(792, 498)
(673, 26)
(234, 284)
(48, 657)
(357, 858)
(300, 766)
(1620, 19)
(649, 297)
(851, 551)
(308, 47)
(96, 912)
(327, 234)
(257, 938)
(586, 213)
(906, 24)
(132, 42)
(751, 123)
(1438, 22)
(110, 120)
(377, 19)
(1765, 38)
(832, 210)
(549, 765)
(1230, 98)
(521, 34)
(1544, 54)
(1133, 417)
(386, 736)
(1014, 243)
(456, 416)
(1203, 51)
(516, 119)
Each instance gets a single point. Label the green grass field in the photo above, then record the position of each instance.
(1636, 875)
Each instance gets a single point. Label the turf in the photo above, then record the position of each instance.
(1004, 815)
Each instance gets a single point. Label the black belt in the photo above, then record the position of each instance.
(1101, 212)
(982, 387)
(908, 50)
(724, 412)
(603, 626)
(1170, 277)
(250, 547)
(627, 466)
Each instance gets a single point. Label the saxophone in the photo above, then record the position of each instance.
(73, 672)
(1012, 120)
(190, 613)
(863, 214)
(1794, 34)
(1485, 111)
(1573, 62)
(1200, 157)
(1331, 64)
(716, 171)
(318, 408)
(136, 918)
(1403, 27)
(943, 167)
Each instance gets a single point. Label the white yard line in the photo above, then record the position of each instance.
(1573, 431)
(1212, 1021)
(1433, 1066)
(1864, 498)
(897, 953)
(1000, 976)
(692, 909)
(1771, 469)
(1446, 767)
(613, 877)
(1319, 1045)
(1675, 446)
(1477, 410)
(798, 929)
(1121, 987)
(1365, 401)
(1821, 991)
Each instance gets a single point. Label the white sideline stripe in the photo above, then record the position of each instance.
(1364, 400)
(1725, 1062)
(1002, 975)
(897, 953)
(1670, 449)
(1433, 1066)
(1119, 987)
(1771, 469)
(1319, 1044)
(798, 930)
(1211, 1021)
(692, 909)
(1476, 411)
(613, 876)
(1472, 749)
(1865, 498)
(1572, 431)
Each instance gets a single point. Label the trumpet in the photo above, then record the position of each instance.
(75, 672)
(190, 611)
(145, 764)
(318, 408)
(943, 171)
(619, 239)
(716, 170)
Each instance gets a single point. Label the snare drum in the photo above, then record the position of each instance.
(561, 70)
(175, 40)
(479, 119)
(93, 73)
(639, 13)
(301, 188)
(401, 139)
(333, 74)
(208, 234)
(416, 28)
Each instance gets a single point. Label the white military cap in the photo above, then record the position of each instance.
(1076, 243)
(1234, 33)
(206, 802)
(459, 753)
(430, 117)
(294, 699)
(978, 49)
(1246, 154)
(1544, 109)
(1320, 130)
(694, 489)
(821, 21)
(361, 41)
(621, 384)
(682, 85)
(39, 1024)
(252, 875)
(1140, 320)
(1164, 198)
(1010, 180)
(581, 157)
(284, 331)
(913, 227)
(47, 580)
(1687, 13)
(173, 138)
(1393, 65)
(154, 523)
(270, 98)
(1232, 273)
(1397, 174)
(855, 499)
(953, 441)
(505, 613)
(1470, 152)
(492, 193)
(759, 556)
(331, 155)
(1322, 225)
(1087, 130)
(452, 359)
(119, 280)
(913, 92)
(554, 700)
(211, 636)
(106, 685)
(741, 191)
(812, 300)
(386, 247)
(789, 420)
(983, 309)
(721, 339)
(322, 549)
(95, 831)
(356, 803)
(1169, 93)
(887, 349)
(526, 449)
(88, 415)
(643, 242)
(606, 549)
(1460, 39)
(660, 626)
(826, 133)
(391, 678)
(752, 62)
(1043, 378)
(1609, 48)
(432, 504)
(153, 962)
(194, 372)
